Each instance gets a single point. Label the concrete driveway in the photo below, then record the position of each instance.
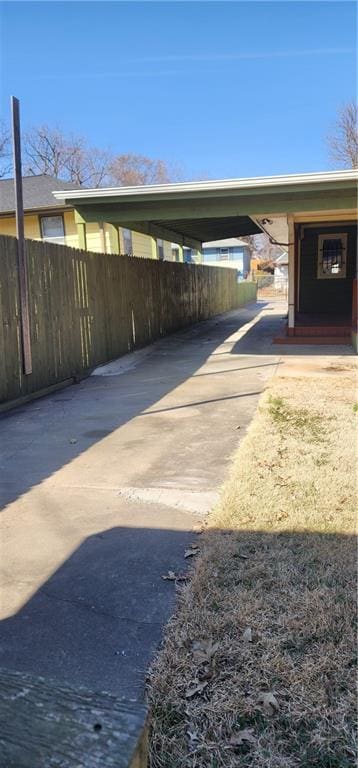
(103, 484)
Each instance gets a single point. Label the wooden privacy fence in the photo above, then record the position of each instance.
(89, 308)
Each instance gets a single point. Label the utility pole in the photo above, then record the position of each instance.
(21, 255)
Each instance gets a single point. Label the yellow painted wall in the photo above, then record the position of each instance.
(108, 239)
(94, 238)
(142, 245)
(31, 226)
(111, 238)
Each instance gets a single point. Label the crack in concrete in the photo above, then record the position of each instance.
(77, 603)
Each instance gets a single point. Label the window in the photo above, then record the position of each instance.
(127, 242)
(223, 254)
(332, 256)
(160, 249)
(52, 229)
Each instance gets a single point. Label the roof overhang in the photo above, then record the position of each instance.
(195, 212)
(56, 209)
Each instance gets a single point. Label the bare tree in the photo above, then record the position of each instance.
(45, 152)
(48, 150)
(261, 248)
(133, 170)
(87, 167)
(343, 141)
(68, 157)
(5, 150)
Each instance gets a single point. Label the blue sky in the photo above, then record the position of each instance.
(223, 89)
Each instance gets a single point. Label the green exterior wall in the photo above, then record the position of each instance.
(246, 292)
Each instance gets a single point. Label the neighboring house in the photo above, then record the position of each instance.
(281, 272)
(230, 252)
(46, 218)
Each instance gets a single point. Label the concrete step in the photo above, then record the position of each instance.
(345, 340)
(323, 330)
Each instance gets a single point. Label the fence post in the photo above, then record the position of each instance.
(21, 255)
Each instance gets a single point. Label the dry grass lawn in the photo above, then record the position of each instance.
(258, 666)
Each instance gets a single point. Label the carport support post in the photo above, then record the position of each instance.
(82, 239)
(199, 257)
(291, 276)
(180, 253)
(81, 231)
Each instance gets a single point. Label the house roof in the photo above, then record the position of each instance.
(228, 242)
(37, 193)
(196, 212)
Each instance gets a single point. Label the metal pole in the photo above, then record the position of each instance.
(22, 264)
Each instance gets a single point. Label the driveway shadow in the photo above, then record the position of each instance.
(98, 619)
(43, 436)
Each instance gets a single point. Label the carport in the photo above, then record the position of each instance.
(312, 215)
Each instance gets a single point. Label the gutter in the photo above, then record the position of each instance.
(32, 211)
(257, 182)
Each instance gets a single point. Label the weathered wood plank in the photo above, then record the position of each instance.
(47, 725)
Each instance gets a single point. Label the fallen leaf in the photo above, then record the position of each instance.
(206, 672)
(239, 738)
(269, 703)
(204, 650)
(195, 687)
(192, 735)
(191, 552)
(171, 576)
(247, 635)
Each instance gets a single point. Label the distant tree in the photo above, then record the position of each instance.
(253, 242)
(133, 170)
(262, 249)
(5, 150)
(343, 141)
(69, 157)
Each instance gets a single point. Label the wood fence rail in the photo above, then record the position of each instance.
(89, 308)
(48, 725)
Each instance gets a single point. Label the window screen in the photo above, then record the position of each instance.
(332, 256)
(127, 242)
(52, 229)
(160, 249)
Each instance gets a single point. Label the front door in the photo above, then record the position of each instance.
(327, 268)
